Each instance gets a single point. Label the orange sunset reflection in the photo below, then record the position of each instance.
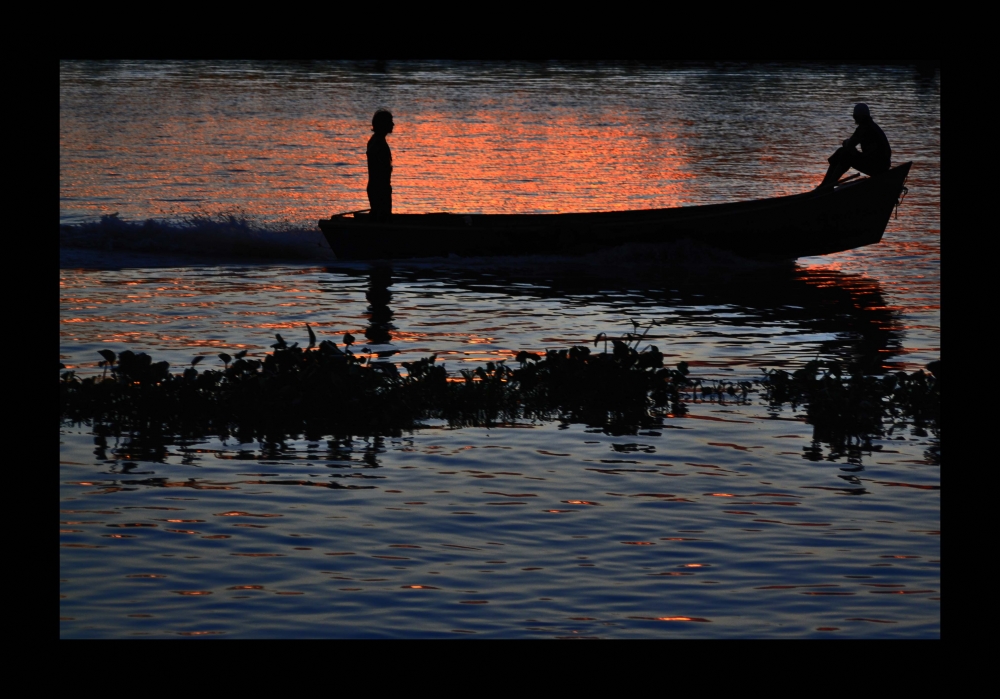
(497, 160)
(503, 161)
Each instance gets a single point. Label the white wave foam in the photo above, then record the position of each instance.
(211, 237)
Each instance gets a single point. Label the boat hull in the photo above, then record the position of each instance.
(819, 222)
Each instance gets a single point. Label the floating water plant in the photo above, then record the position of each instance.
(845, 406)
(328, 390)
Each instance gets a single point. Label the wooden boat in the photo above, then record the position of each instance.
(849, 215)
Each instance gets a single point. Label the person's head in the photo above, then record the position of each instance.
(861, 112)
(382, 122)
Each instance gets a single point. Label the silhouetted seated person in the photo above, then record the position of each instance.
(380, 166)
(874, 157)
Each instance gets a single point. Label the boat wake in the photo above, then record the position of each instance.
(205, 239)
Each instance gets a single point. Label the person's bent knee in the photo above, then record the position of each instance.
(842, 155)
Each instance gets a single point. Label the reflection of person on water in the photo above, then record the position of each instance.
(874, 156)
(380, 318)
(380, 166)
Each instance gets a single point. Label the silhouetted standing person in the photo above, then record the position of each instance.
(380, 166)
(874, 157)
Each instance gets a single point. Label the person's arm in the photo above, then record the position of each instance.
(855, 138)
(385, 156)
(379, 163)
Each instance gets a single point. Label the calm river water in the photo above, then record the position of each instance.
(189, 198)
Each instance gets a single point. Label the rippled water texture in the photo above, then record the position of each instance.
(732, 521)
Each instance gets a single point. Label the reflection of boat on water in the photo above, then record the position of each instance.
(819, 222)
(840, 315)
(846, 313)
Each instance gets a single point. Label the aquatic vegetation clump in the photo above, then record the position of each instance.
(326, 389)
(845, 407)
(622, 389)
(317, 390)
